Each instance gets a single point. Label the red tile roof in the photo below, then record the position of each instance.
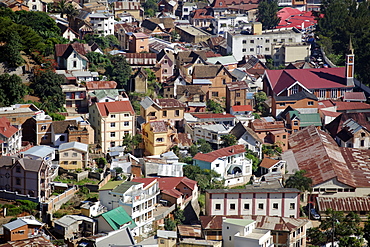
(172, 192)
(325, 104)
(242, 108)
(344, 106)
(82, 49)
(280, 80)
(330, 113)
(92, 85)
(263, 125)
(105, 108)
(213, 115)
(6, 129)
(171, 182)
(223, 152)
(290, 17)
(201, 14)
(145, 181)
(268, 163)
(356, 96)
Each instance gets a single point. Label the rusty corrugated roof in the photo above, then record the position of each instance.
(346, 204)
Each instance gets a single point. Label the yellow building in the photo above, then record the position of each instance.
(73, 155)
(111, 122)
(170, 110)
(158, 137)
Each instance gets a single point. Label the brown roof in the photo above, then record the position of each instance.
(206, 71)
(36, 241)
(190, 56)
(60, 127)
(92, 85)
(268, 163)
(263, 125)
(344, 106)
(237, 85)
(184, 139)
(362, 118)
(169, 103)
(191, 89)
(61, 49)
(223, 152)
(158, 126)
(346, 204)
(319, 155)
(272, 223)
(190, 231)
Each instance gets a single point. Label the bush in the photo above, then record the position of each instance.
(59, 214)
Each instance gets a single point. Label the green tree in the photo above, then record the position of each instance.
(228, 140)
(260, 99)
(47, 86)
(104, 42)
(367, 229)
(214, 107)
(101, 161)
(249, 154)
(12, 50)
(131, 142)
(179, 216)
(119, 70)
(204, 146)
(57, 117)
(169, 225)
(191, 171)
(97, 61)
(118, 170)
(299, 181)
(150, 7)
(267, 13)
(12, 89)
(316, 237)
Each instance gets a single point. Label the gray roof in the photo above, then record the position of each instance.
(166, 234)
(169, 155)
(239, 74)
(239, 130)
(122, 188)
(254, 190)
(75, 145)
(21, 222)
(147, 102)
(39, 151)
(197, 104)
(69, 220)
(225, 60)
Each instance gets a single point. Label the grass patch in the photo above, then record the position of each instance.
(75, 182)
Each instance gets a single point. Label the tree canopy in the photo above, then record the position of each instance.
(12, 90)
(119, 70)
(207, 179)
(228, 140)
(150, 7)
(341, 21)
(299, 181)
(267, 13)
(214, 107)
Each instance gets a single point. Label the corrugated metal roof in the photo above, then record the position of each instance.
(74, 145)
(346, 204)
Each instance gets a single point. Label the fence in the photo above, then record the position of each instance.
(10, 195)
(55, 203)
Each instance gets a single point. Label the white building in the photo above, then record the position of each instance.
(224, 23)
(209, 131)
(229, 162)
(10, 137)
(283, 202)
(138, 200)
(102, 23)
(187, 8)
(247, 137)
(243, 232)
(260, 42)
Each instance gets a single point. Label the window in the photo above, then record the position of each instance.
(282, 40)
(65, 154)
(126, 115)
(74, 155)
(275, 40)
(246, 206)
(334, 93)
(112, 125)
(276, 56)
(218, 206)
(284, 136)
(294, 89)
(43, 127)
(275, 206)
(126, 132)
(224, 81)
(251, 49)
(62, 138)
(214, 94)
(18, 181)
(160, 139)
(295, 123)
(362, 143)
(244, 50)
(322, 93)
(260, 206)
(217, 165)
(310, 103)
(74, 162)
(177, 113)
(112, 144)
(290, 40)
(244, 41)
(267, 41)
(362, 134)
(126, 123)
(112, 134)
(282, 104)
(232, 206)
(267, 49)
(292, 206)
(113, 116)
(74, 64)
(251, 41)
(237, 95)
(18, 169)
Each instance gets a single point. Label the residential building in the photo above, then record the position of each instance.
(335, 171)
(140, 60)
(229, 162)
(10, 137)
(187, 8)
(138, 42)
(73, 155)
(272, 168)
(165, 67)
(138, 199)
(236, 94)
(170, 110)
(91, 209)
(102, 23)
(158, 137)
(81, 132)
(247, 137)
(26, 176)
(76, 97)
(282, 202)
(259, 42)
(351, 130)
(100, 85)
(132, 8)
(110, 238)
(40, 152)
(201, 18)
(168, 6)
(175, 190)
(324, 83)
(242, 232)
(114, 220)
(111, 122)
(72, 56)
(243, 113)
(191, 34)
(295, 121)
(107, 95)
(285, 231)
(302, 101)
(160, 27)
(166, 238)
(74, 226)
(224, 23)
(67, 32)
(193, 96)
(59, 131)
(271, 131)
(221, 118)
(286, 53)
(22, 228)
(218, 76)
(209, 131)
(139, 81)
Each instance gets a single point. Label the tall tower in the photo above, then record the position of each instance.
(350, 65)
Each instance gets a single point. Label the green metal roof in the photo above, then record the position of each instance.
(239, 222)
(118, 217)
(310, 119)
(111, 185)
(293, 114)
(121, 189)
(99, 94)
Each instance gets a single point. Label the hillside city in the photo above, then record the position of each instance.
(208, 123)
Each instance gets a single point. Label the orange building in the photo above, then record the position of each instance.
(138, 42)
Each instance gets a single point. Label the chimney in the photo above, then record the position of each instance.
(350, 65)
